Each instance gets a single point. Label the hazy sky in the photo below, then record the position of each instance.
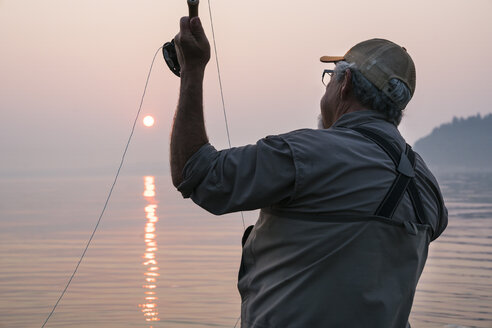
(72, 72)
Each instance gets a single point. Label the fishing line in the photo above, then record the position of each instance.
(223, 103)
(110, 191)
(124, 155)
(221, 91)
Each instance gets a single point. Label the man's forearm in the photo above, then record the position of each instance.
(188, 133)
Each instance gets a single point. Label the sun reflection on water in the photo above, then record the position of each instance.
(149, 307)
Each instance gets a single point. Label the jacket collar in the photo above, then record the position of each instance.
(354, 119)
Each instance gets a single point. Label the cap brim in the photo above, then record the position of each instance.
(331, 59)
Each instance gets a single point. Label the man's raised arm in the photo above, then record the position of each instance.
(188, 132)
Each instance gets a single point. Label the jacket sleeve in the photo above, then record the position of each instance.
(243, 178)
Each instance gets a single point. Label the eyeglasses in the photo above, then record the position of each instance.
(326, 72)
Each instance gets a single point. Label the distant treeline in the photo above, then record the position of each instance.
(463, 144)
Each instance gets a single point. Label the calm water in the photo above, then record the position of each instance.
(159, 261)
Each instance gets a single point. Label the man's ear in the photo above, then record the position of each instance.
(346, 88)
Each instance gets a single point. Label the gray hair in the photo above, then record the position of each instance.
(368, 95)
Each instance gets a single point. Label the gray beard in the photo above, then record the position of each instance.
(320, 122)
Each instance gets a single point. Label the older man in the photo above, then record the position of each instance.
(347, 211)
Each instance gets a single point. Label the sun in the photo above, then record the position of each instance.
(148, 121)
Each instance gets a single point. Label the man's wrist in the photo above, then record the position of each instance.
(194, 72)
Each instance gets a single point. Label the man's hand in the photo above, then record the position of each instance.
(192, 46)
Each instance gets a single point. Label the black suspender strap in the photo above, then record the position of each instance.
(417, 202)
(394, 195)
(381, 141)
(405, 166)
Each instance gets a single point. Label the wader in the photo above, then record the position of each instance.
(363, 275)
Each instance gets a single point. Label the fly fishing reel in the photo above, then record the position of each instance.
(169, 48)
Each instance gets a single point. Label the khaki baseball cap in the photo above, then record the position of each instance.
(379, 61)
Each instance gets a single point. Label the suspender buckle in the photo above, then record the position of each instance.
(410, 227)
(405, 167)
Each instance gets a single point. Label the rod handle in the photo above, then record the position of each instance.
(193, 8)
